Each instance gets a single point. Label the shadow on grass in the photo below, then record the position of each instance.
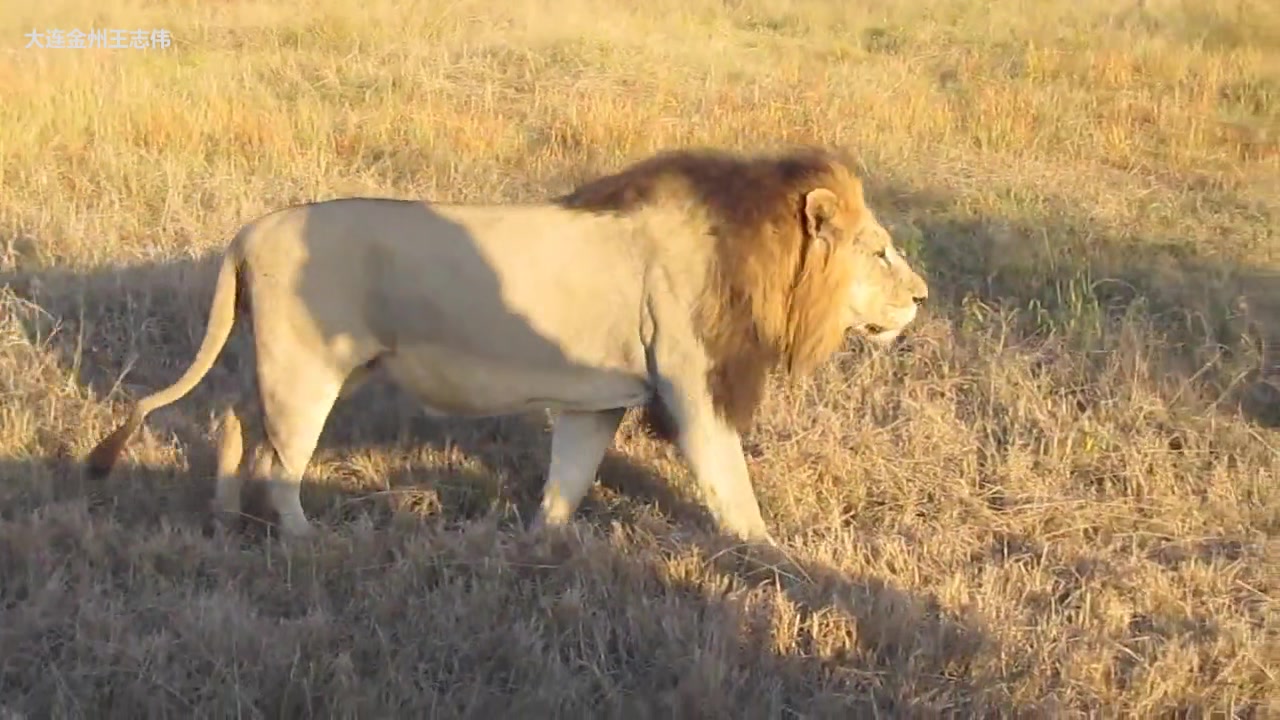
(114, 602)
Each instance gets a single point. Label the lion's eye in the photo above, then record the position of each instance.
(883, 255)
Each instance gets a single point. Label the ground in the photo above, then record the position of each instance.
(1060, 498)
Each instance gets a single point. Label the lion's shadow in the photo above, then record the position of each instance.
(907, 652)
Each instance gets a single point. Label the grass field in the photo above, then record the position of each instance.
(1063, 501)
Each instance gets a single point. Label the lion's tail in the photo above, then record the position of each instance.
(222, 316)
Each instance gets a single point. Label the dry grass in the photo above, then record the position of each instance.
(1064, 501)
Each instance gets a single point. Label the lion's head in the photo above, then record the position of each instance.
(882, 293)
(800, 260)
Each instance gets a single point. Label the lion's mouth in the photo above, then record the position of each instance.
(880, 334)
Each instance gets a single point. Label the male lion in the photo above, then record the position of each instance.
(677, 283)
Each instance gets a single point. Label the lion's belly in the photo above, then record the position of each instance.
(448, 382)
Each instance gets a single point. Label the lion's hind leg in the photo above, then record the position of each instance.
(298, 380)
(242, 428)
(291, 423)
(226, 499)
(296, 400)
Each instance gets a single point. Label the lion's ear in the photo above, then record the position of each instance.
(820, 208)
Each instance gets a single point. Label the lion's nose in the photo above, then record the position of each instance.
(919, 299)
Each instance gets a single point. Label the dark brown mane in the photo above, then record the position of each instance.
(759, 312)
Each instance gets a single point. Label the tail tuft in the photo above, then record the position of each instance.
(104, 455)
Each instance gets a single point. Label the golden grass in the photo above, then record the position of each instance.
(1063, 501)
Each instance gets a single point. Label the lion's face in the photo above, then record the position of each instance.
(882, 293)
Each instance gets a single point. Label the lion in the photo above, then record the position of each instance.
(675, 285)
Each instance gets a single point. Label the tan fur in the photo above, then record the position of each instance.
(677, 283)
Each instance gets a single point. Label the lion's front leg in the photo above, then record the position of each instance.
(578, 444)
(713, 451)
